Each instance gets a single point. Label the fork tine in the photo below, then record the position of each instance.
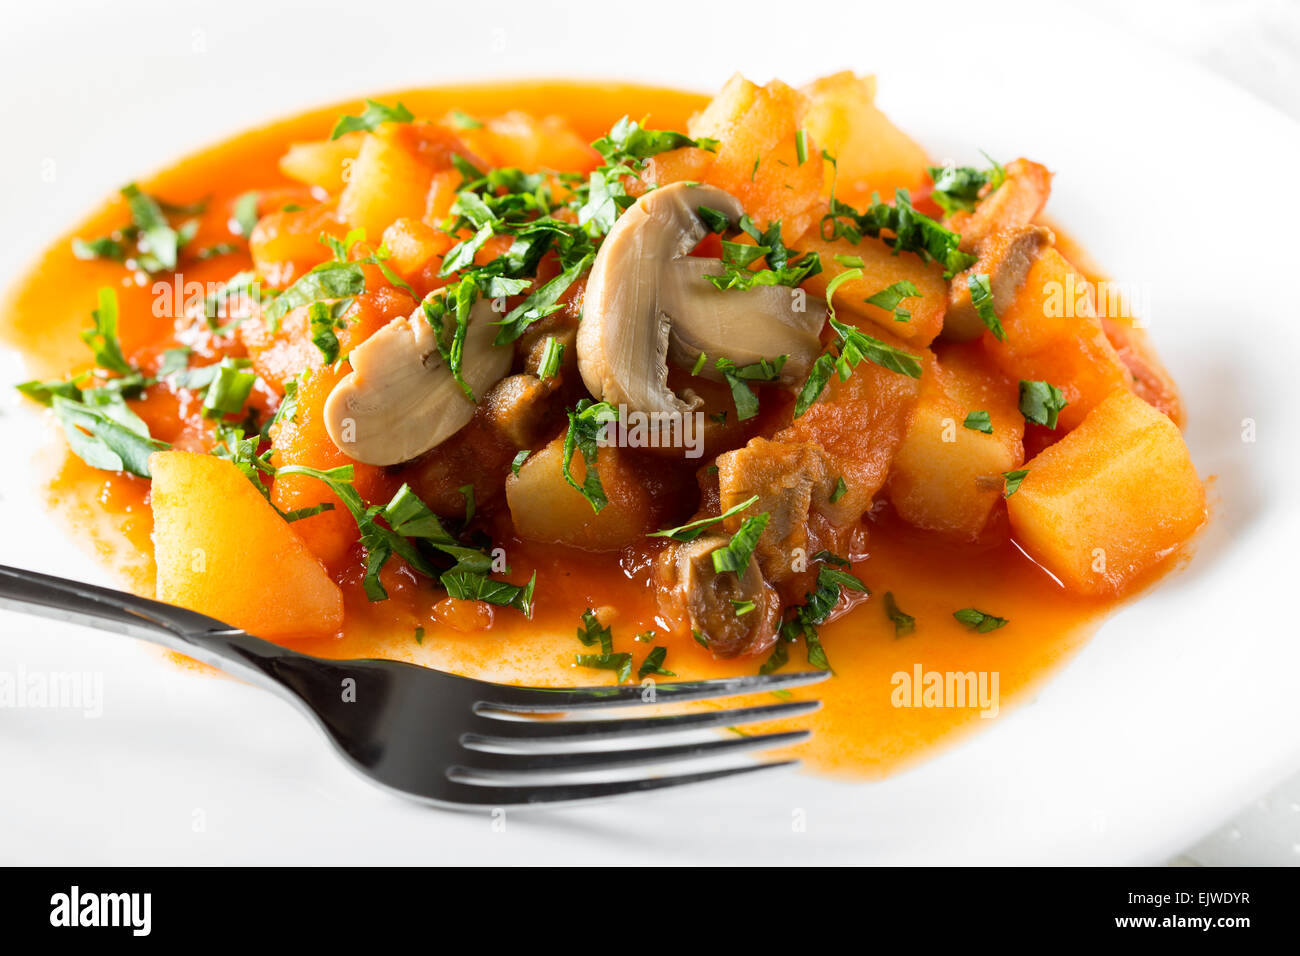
(535, 699)
(537, 734)
(489, 765)
(468, 794)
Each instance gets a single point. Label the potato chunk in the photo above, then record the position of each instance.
(531, 143)
(393, 174)
(1053, 334)
(323, 163)
(757, 159)
(871, 153)
(947, 477)
(880, 269)
(1110, 499)
(545, 507)
(223, 551)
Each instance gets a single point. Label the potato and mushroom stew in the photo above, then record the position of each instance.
(726, 384)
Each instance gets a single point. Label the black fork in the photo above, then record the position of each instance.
(448, 740)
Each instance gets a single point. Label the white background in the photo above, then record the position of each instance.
(1182, 710)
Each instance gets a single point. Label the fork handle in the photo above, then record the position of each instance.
(195, 635)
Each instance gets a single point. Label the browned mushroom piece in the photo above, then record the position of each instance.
(518, 407)
(791, 480)
(1013, 205)
(1006, 258)
(712, 603)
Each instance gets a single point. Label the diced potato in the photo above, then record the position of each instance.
(531, 143)
(301, 439)
(286, 244)
(947, 477)
(873, 155)
(393, 173)
(1109, 500)
(544, 507)
(757, 159)
(880, 269)
(323, 163)
(222, 550)
(414, 247)
(677, 165)
(1053, 335)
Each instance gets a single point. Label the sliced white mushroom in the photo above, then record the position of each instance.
(745, 326)
(646, 295)
(401, 399)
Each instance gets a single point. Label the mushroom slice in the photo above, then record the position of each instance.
(744, 325)
(401, 398)
(644, 285)
(1006, 258)
(693, 593)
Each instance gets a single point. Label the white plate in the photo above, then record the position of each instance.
(1179, 711)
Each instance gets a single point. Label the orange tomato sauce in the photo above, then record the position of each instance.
(859, 731)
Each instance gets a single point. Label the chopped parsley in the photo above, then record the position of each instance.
(329, 280)
(692, 530)
(782, 268)
(979, 421)
(245, 216)
(807, 617)
(231, 385)
(587, 422)
(854, 345)
(1013, 480)
(108, 435)
(979, 621)
(324, 319)
(891, 297)
(593, 633)
(981, 297)
(371, 118)
(904, 623)
(1041, 402)
(102, 338)
(552, 356)
(737, 377)
(736, 554)
(654, 664)
(910, 231)
(959, 187)
(841, 489)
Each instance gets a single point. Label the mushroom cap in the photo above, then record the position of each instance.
(401, 399)
(647, 300)
(707, 596)
(744, 325)
(623, 338)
